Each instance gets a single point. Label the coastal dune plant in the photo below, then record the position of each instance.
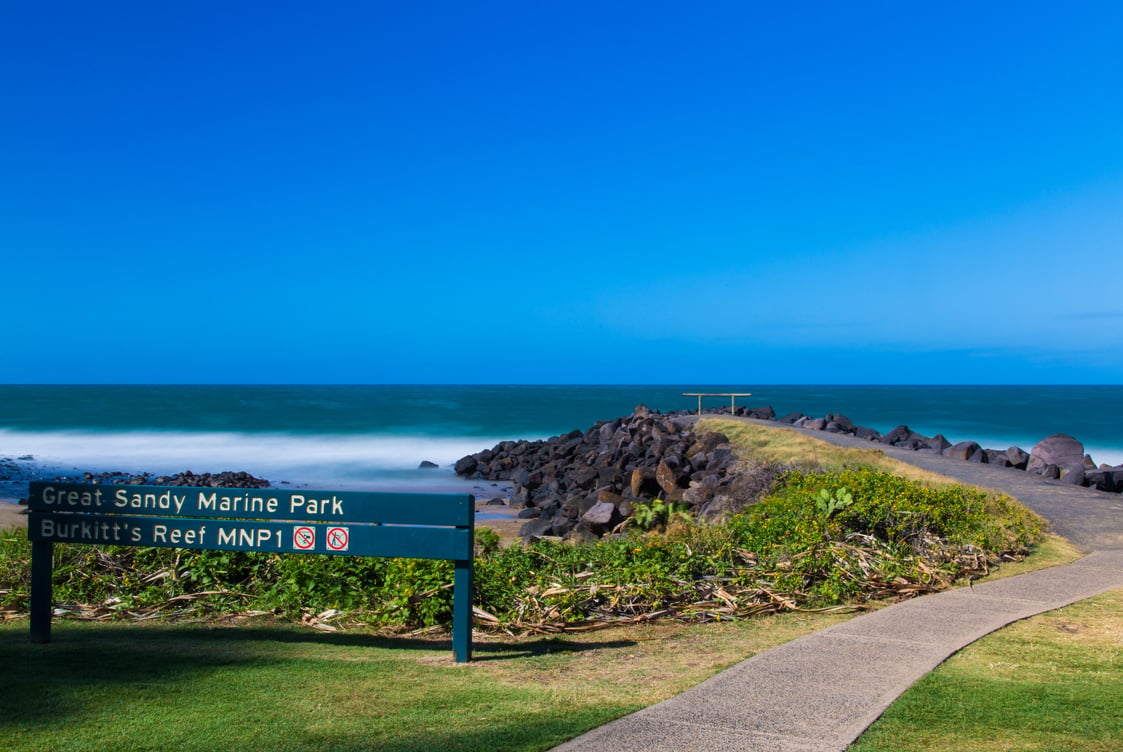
(659, 513)
(820, 541)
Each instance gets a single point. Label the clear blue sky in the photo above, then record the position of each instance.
(720, 192)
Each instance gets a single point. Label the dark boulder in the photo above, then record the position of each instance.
(998, 458)
(535, 529)
(562, 525)
(584, 477)
(762, 413)
(964, 450)
(869, 434)
(1018, 457)
(938, 443)
(466, 465)
(900, 433)
(602, 517)
(1106, 479)
(790, 418)
(1059, 449)
(1073, 475)
(644, 484)
(670, 476)
(580, 533)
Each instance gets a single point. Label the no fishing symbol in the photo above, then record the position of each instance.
(338, 538)
(304, 538)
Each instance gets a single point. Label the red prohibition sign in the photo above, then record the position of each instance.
(338, 538)
(304, 538)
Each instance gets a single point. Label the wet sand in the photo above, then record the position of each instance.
(12, 514)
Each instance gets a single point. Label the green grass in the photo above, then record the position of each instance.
(262, 685)
(788, 447)
(269, 685)
(1053, 683)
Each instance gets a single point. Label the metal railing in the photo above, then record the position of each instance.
(732, 398)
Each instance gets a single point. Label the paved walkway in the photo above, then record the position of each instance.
(820, 692)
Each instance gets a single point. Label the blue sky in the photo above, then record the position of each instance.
(726, 192)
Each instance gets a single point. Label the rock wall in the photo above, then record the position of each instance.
(1058, 457)
(584, 484)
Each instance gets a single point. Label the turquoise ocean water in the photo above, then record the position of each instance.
(375, 436)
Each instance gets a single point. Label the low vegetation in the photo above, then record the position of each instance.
(821, 540)
(833, 535)
(781, 446)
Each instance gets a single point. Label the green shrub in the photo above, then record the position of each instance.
(821, 540)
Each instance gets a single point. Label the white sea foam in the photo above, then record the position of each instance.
(299, 457)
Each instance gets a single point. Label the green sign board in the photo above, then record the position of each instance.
(342, 523)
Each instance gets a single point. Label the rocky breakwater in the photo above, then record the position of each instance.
(585, 484)
(1059, 457)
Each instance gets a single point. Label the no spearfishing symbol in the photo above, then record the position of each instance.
(338, 538)
(303, 538)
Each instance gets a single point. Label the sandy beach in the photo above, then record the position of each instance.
(12, 515)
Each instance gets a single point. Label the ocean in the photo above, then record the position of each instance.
(375, 437)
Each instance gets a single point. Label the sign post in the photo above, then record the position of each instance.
(415, 526)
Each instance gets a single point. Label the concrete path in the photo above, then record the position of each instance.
(820, 692)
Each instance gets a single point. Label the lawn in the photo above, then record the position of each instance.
(260, 684)
(1053, 683)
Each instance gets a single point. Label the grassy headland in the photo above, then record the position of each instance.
(841, 535)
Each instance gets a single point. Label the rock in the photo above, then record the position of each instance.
(520, 496)
(900, 433)
(669, 475)
(1108, 479)
(698, 493)
(602, 517)
(580, 533)
(762, 413)
(498, 501)
(815, 424)
(644, 484)
(427, 465)
(721, 458)
(530, 513)
(466, 465)
(869, 434)
(997, 457)
(562, 525)
(535, 529)
(939, 443)
(964, 450)
(1018, 457)
(715, 508)
(584, 477)
(1059, 449)
(790, 418)
(1073, 475)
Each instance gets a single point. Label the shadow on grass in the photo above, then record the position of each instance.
(48, 682)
